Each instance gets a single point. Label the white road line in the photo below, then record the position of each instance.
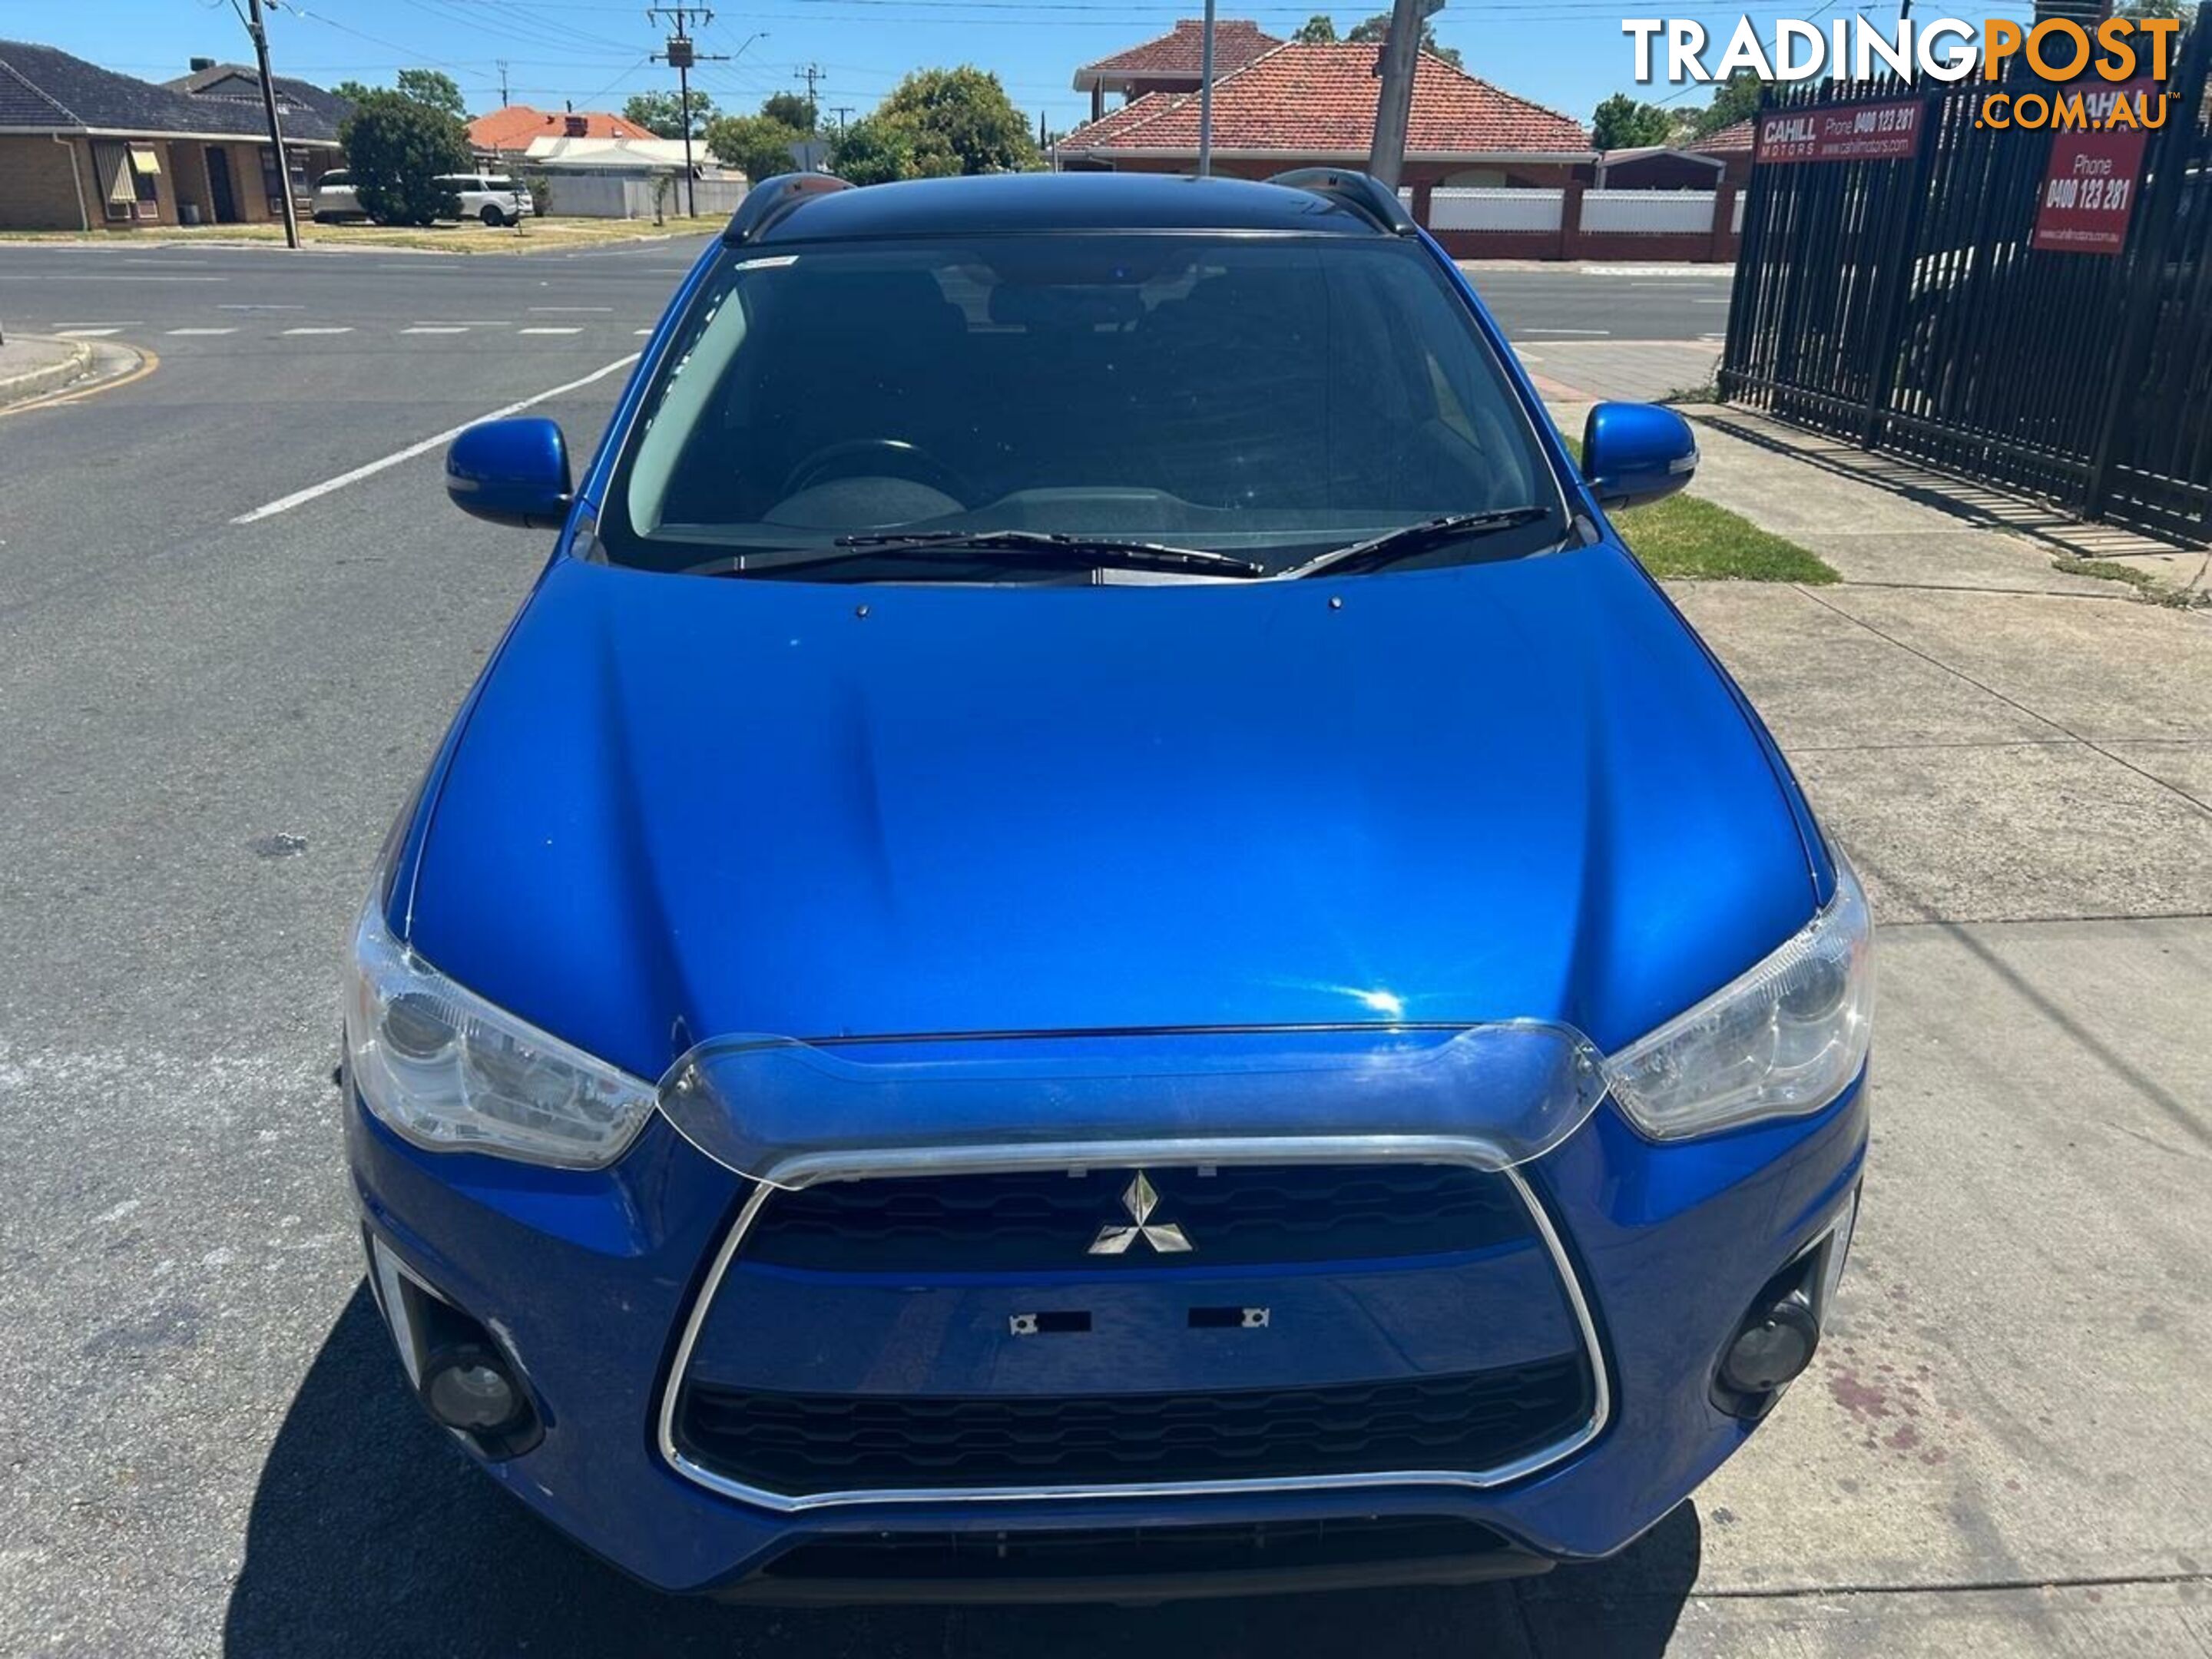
(1709, 302)
(346, 330)
(641, 332)
(300, 497)
(462, 322)
(548, 331)
(437, 328)
(202, 331)
(87, 333)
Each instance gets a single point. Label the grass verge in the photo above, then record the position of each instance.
(1685, 537)
(2148, 586)
(536, 236)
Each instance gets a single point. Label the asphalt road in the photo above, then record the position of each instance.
(205, 726)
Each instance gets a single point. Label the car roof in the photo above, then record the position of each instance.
(1034, 202)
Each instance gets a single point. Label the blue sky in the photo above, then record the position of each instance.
(1566, 53)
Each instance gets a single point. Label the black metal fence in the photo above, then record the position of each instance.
(1900, 303)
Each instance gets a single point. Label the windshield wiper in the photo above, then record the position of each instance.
(1074, 552)
(1403, 542)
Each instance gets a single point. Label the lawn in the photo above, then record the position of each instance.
(1685, 537)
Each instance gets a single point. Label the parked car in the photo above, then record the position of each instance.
(335, 200)
(494, 198)
(1093, 938)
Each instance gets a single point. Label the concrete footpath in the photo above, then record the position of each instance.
(2002, 1446)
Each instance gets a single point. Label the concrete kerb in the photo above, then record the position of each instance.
(33, 365)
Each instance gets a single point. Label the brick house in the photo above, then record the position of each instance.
(1171, 62)
(1298, 104)
(84, 149)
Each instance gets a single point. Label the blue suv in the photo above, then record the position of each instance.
(1093, 939)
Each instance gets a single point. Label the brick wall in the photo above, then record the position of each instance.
(36, 191)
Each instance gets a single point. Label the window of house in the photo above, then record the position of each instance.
(301, 190)
(129, 176)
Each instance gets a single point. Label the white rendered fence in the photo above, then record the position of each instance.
(1484, 207)
(1648, 212)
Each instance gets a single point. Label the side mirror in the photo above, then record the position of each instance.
(513, 471)
(1637, 453)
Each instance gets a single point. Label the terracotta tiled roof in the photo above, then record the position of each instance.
(1305, 99)
(1133, 113)
(1236, 42)
(1727, 140)
(513, 127)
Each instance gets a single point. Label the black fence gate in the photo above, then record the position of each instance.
(1900, 303)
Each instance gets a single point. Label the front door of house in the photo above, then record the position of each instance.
(219, 195)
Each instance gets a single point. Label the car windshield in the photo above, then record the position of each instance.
(1272, 398)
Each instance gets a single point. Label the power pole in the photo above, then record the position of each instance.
(1206, 96)
(503, 98)
(811, 74)
(1394, 106)
(275, 128)
(842, 112)
(680, 56)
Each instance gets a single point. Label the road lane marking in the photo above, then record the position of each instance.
(437, 328)
(548, 331)
(348, 329)
(313, 492)
(89, 334)
(462, 322)
(641, 332)
(202, 331)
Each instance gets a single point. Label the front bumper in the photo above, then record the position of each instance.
(1669, 1243)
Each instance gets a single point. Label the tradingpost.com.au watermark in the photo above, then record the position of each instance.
(2127, 55)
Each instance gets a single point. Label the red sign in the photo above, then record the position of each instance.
(2089, 188)
(1842, 132)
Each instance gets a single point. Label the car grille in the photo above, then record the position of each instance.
(798, 1444)
(1236, 1215)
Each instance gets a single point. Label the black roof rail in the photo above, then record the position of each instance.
(772, 200)
(1366, 195)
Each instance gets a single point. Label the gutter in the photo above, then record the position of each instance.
(76, 182)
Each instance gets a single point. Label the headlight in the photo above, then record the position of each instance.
(445, 1069)
(1782, 1040)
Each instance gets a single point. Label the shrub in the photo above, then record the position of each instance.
(395, 147)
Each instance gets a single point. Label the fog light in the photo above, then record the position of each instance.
(468, 1387)
(1771, 1347)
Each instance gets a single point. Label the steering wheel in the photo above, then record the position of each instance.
(894, 457)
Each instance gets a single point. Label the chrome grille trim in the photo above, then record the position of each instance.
(1132, 1154)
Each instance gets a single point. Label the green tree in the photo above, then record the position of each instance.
(960, 120)
(1376, 29)
(352, 91)
(872, 151)
(1318, 30)
(1735, 100)
(395, 147)
(1621, 123)
(434, 87)
(754, 143)
(2181, 8)
(660, 113)
(793, 109)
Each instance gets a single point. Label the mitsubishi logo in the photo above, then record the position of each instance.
(1139, 1200)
